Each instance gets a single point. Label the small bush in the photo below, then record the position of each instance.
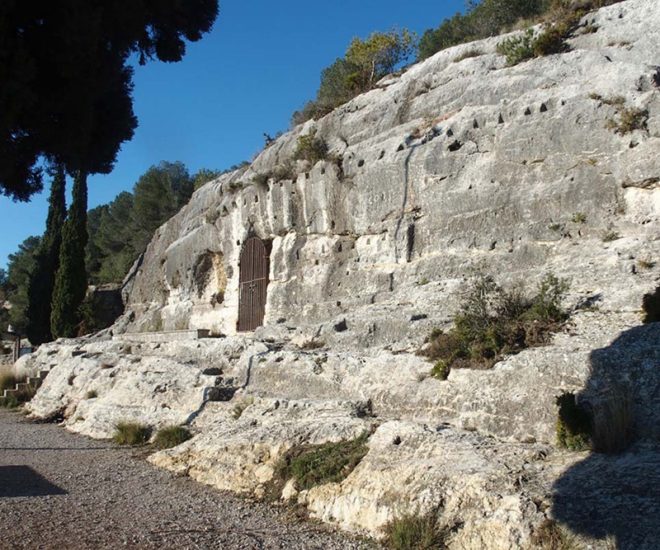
(311, 148)
(613, 421)
(171, 436)
(284, 171)
(651, 307)
(493, 321)
(645, 263)
(414, 533)
(517, 48)
(313, 465)
(440, 370)
(579, 217)
(261, 180)
(574, 426)
(131, 433)
(92, 394)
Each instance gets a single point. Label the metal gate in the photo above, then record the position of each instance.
(253, 282)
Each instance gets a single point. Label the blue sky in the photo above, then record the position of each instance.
(260, 63)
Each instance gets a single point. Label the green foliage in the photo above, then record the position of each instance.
(517, 49)
(574, 424)
(42, 279)
(71, 278)
(121, 230)
(171, 436)
(319, 464)
(311, 148)
(365, 62)
(20, 268)
(493, 321)
(651, 306)
(440, 370)
(71, 72)
(92, 394)
(203, 176)
(483, 19)
(131, 433)
(412, 532)
(579, 217)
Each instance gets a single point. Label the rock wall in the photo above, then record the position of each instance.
(449, 167)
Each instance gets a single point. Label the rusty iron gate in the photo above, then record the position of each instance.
(253, 282)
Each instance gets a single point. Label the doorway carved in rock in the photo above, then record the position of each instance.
(254, 266)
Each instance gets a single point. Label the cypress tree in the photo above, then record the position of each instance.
(71, 279)
(42, 279)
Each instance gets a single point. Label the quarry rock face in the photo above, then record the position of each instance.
(454, 166)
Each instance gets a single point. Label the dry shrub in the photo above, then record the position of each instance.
(411, 532)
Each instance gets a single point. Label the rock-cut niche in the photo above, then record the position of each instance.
(209, 277)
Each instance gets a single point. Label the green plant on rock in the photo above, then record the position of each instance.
(517, 49)
(610, 236)
(311, 148)
(92, 394)
(493, 321)
(574, 424)
(440, 370)
(313, 465)
(171, 436)
(549, 535)
(579, 217)
(413, 532)
(629, 120)
(131, 433)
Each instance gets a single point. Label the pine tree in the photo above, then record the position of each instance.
(71, 279)
(42, 280)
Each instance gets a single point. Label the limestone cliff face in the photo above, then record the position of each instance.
(451, 166)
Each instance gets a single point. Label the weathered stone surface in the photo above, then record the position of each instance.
(448, 167)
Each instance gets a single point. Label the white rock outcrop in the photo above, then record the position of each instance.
(451, 166)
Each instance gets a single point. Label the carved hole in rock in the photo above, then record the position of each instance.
(528, 111)
(322, 171)
(244, 202)
(209, 276)
(281, 184)
(306, 175)
(455, 146)
(338, 304)
(332, 224)
(256, 198)
(316, 262)
(500, 120)
(339, 247)
(400, 148)
(360, 163)
(382, 154)
(543, 108)
(297, 254)
(475, 124)
(450, 132)
(233, 204)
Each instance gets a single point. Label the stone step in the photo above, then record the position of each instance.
(35, 381)
(43, 374)
(165, 336)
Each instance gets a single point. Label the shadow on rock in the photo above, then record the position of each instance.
(618, 494)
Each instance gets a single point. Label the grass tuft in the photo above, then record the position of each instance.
(312, 465)
(412, 532)
(171, 436)
(552, 536)
(131, 433)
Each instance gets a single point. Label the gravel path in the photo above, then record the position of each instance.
(60, 490)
